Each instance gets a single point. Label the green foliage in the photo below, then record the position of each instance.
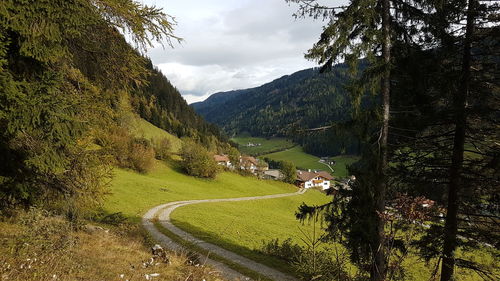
(289, 171)
(308, 264)
(198, 161)
(62, 65)
(234, 156)
(162, 147)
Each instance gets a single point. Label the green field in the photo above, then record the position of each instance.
(267, 145)
(243, 226)
(133, 193)
(307, 161)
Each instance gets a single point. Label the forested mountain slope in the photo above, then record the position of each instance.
(286, 106)
(160, 103)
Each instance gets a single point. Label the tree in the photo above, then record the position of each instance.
(360, 30)
(289, 171)
(234, 156)
(62, 66)
(198, 161)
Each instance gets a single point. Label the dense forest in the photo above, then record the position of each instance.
(288, 106)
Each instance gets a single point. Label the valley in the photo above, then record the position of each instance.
(285, 140)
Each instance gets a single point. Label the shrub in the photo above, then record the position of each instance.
(310, 264)
(128, 152)
(198, 161)
(162, 148)
(289, 171)
(141, 155)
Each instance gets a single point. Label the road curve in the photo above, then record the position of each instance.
(163, 213)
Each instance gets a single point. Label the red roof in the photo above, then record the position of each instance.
(249, 159)
(307, 176)
(221, 158)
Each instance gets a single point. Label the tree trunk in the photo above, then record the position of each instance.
(379, 265)
(459, 104)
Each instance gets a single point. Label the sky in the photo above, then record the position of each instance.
(232, 44)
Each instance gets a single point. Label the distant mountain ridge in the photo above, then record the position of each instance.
(285, 106)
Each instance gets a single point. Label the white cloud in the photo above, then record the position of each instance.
(233, 44)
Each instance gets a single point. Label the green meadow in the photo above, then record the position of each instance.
(133, 193)
(266, 145)
(307, 161)
(243, 227)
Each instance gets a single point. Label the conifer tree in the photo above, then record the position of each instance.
(62, 66)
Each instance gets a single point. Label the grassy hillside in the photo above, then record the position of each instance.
(133, 193)
(266, 145)
(142, 128)
(242, 227)
(307, 161)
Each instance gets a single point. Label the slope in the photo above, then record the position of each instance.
(285, 106)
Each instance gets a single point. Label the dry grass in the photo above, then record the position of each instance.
(35, 247)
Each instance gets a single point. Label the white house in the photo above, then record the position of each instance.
(308, 179)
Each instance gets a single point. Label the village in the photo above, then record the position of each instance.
(304, 179)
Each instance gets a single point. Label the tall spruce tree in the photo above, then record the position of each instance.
(363, 30)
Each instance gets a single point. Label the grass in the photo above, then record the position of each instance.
(267, 145)
(46, 249)
(142, 128)
(242, 227)
(307, 161)
(133, 193)
(193, 247)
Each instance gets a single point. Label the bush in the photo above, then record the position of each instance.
(198, 161)
(129, 152)
(320, 265)
(141, 155)
(162, 148)
(289, 171)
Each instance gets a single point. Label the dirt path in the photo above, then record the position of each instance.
(163, 213)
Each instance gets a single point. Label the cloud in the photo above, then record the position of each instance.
(233, 44)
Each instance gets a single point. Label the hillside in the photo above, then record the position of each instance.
(281, 108)
(160, 103)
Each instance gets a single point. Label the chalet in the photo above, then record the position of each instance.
(308, 179)
(222, 160)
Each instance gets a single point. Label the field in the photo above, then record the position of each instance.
(267, 145)
(243, 227)
(307, 161)
(133, 193)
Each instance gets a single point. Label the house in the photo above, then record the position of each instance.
(272, 174)
(222, 160)
(255, 166)
(308, 179)
(248, 163)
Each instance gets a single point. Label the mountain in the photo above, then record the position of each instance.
(284, 107)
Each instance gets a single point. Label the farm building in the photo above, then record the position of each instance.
(222, 160)
(308, 179)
